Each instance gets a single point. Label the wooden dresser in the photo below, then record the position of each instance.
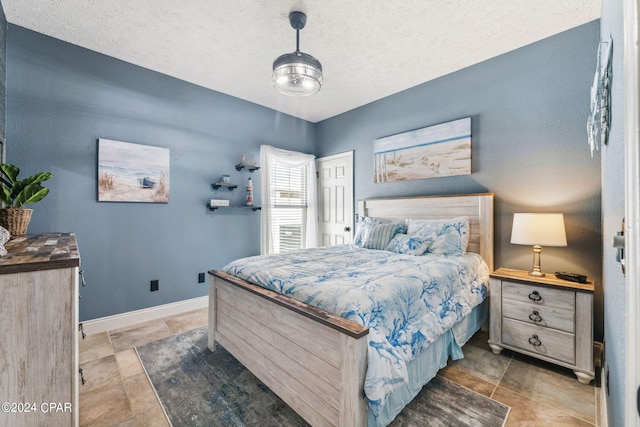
(39, 331)
(543, 317)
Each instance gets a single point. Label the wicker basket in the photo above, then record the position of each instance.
(16, 220)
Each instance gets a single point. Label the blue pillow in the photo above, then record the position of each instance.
(448, 236)
(407, 244)
(379, 236)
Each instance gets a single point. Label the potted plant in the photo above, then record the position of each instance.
(15, 193)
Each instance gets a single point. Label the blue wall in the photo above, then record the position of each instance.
(62, 98)
(528, 110)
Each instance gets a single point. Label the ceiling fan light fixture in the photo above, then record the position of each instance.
(297, 73)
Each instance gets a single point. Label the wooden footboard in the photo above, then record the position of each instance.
(313, 360)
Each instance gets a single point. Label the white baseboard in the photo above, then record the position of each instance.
(604, 420)
(130, 318)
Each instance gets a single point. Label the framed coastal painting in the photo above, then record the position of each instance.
(433, 151)
(132, 172)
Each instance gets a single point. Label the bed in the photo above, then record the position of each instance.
(316, 361)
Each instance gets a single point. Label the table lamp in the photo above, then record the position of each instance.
(538, 229)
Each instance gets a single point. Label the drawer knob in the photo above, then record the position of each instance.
(535, 317)
(535, 341)
(535, 296)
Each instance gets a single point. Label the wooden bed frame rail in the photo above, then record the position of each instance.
(313, 360)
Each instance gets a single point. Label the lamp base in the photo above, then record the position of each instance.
(536, 272)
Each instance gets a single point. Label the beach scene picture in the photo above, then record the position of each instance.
(132, 172)
(433, 151)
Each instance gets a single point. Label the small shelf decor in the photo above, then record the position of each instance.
(249, 192)
(247, 162)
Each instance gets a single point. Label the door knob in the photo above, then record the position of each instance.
(347, 228)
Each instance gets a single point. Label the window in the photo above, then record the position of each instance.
(289, 211)
(289, 218)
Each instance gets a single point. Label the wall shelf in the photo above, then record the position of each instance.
(213, 208)
(251, 169)
(229, 186)
(226, 185)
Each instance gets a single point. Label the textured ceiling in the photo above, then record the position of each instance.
(369, 49)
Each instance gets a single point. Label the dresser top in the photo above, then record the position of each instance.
(548, 279)
(40, 252)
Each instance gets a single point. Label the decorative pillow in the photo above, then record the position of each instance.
(408, 244)
(448, 236)
(365, 223)
(379, 236)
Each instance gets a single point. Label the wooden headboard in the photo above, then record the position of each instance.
(477, 207)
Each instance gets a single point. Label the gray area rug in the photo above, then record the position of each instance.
(201, 388)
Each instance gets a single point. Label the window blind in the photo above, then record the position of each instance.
(290, 201)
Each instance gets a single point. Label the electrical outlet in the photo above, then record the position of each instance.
(200, 277)
(155, 285)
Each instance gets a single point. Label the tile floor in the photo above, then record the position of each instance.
(118, 393)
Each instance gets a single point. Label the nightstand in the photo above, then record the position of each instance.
(543, 317)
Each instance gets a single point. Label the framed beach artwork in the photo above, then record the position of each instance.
(433, 151)
(132, 172)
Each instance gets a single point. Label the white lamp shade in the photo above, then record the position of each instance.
(544, 229)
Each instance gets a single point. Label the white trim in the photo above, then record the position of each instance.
(602, 413)
(632, 212)
(123, 320)
(336, 156)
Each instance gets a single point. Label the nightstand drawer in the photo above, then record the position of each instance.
(557, 299)
(541, 315)
(537, 339)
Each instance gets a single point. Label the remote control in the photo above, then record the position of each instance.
(573, 277)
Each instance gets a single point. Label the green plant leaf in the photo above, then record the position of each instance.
(19, 186)
(17, 193)
(32, 193)
(10, 171)
(39, 177)
(5, 195)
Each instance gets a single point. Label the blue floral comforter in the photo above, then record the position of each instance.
(406, 301)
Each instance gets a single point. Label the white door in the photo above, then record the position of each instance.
(632, 211)
(335, 199)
